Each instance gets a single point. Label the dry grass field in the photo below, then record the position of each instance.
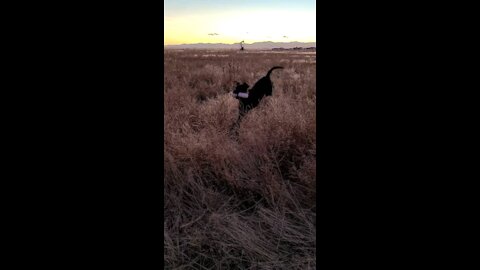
(246, 201)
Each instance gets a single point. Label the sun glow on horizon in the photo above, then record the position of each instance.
(233, 26)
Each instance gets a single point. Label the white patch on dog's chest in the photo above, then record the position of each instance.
(242, 95)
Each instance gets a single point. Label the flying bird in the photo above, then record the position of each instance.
(213, 34)
(285, 36)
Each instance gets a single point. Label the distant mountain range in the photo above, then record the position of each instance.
(265, 45)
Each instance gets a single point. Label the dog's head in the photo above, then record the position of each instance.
(240, 88)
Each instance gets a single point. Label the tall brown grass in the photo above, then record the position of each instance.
(245, 202)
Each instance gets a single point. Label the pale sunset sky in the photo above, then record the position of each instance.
(229, 21)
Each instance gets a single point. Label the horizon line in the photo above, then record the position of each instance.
(239, 42)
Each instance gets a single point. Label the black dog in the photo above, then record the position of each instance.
(249, 99)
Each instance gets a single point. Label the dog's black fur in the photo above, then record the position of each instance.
(260, 89)
(240, 88)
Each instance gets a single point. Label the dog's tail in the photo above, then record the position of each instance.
(270, 71)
